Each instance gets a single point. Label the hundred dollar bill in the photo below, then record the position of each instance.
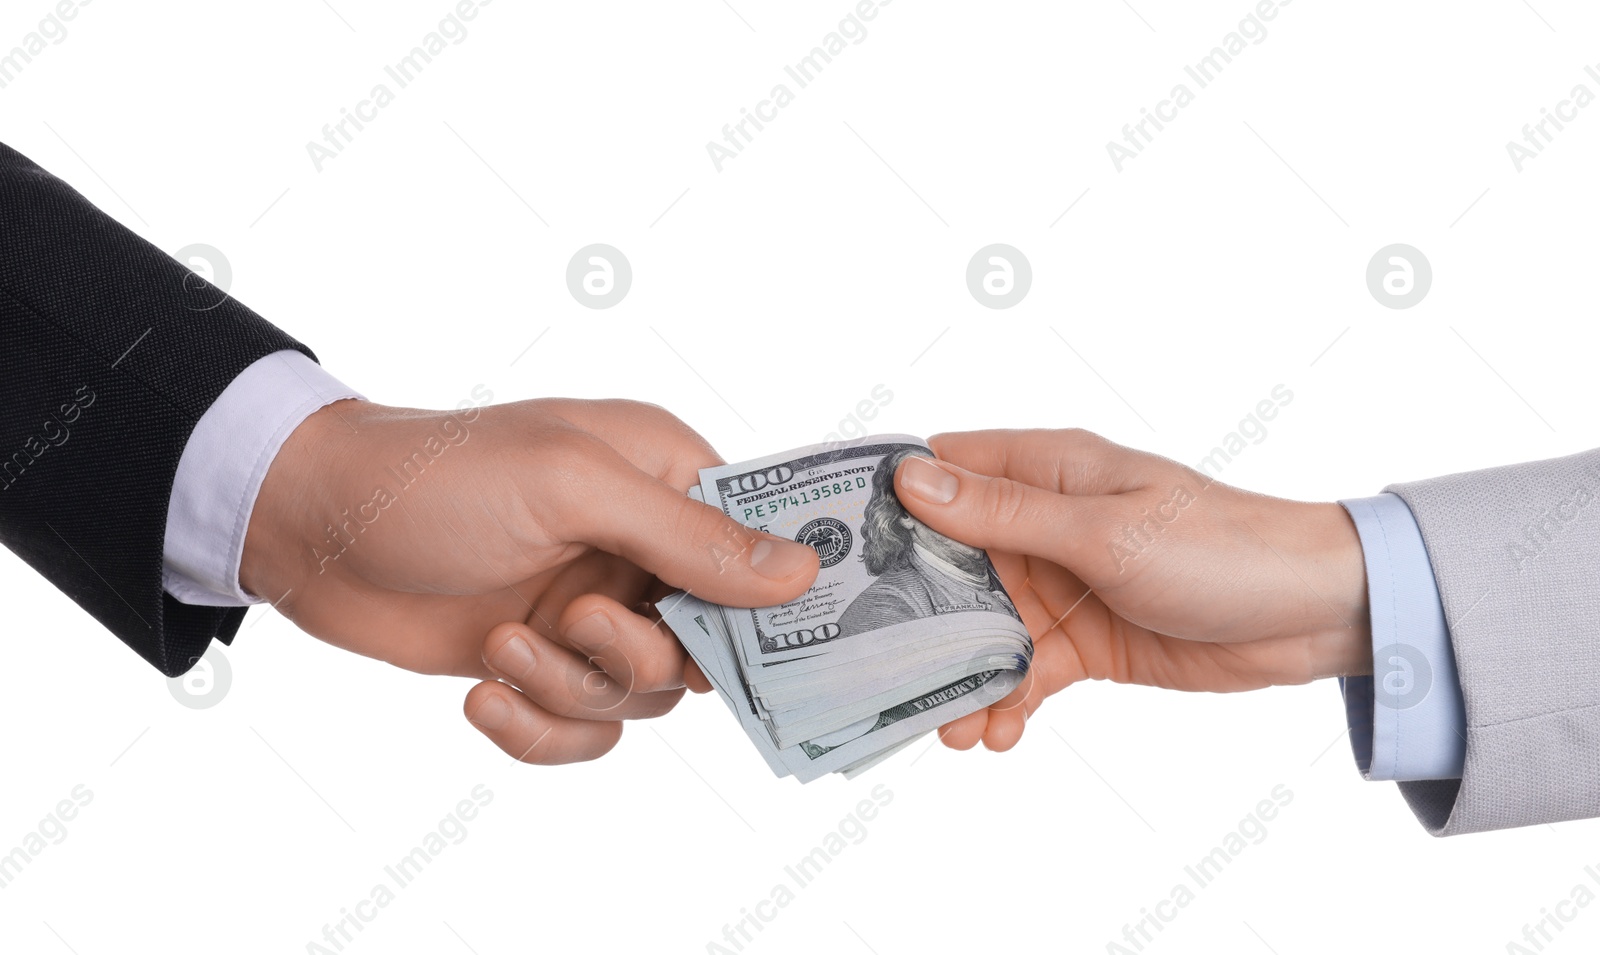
(882, 570)
(903, 631)
(851, 749)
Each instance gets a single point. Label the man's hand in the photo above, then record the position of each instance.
(408, 535)
(1130, 567)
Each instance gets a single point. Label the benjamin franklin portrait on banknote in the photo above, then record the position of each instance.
(920, 572)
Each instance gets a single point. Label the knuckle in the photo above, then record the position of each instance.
(1085, 441)
(655, 413)
(1003, 500)
(662, 670)
(632, 670)
(656, 418)
(593, 691)
(704, 527)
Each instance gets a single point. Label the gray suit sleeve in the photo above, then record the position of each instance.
(1516, 554)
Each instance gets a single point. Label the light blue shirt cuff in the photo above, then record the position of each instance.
(1406, 720)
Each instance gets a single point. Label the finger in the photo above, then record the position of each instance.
(610, 504)
(1009, 717)
(1004, 729)
(595, 572)
(1007, 515)
(965, 732)
(532, 734)
(564, 683)
(1068, 461)
(1056, 665)
(694, 679)
(638, 653)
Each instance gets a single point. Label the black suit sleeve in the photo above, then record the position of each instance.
(112, 352)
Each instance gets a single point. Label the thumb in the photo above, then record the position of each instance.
(625, 511)
(999, 513)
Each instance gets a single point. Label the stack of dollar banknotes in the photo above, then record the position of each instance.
(904, 630)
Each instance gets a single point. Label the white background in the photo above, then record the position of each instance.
(1228, 258)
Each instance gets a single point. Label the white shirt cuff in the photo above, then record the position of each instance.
(221, 470)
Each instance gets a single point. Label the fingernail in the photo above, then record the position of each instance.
(492, 713)
(779, 559)
(514, 658)
(593, 632)
(929, 481)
